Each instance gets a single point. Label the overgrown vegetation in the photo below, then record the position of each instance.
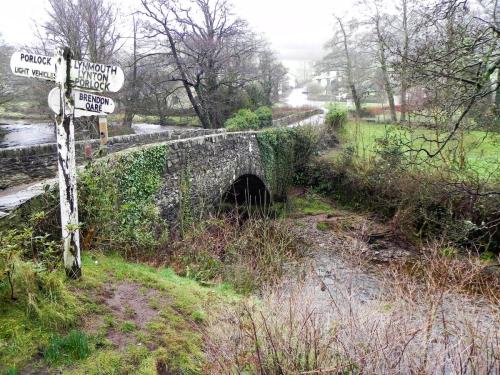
(307, 330)
(246, 119)
(247, 255)
(444, 199)
(335, 117)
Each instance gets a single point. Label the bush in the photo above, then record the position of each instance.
(265, 116)
(420, 204)
(244, 119)
(336, 117)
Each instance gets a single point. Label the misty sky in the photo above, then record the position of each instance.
(296, 29)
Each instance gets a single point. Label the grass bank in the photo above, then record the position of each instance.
(473, 151)
(120, 318)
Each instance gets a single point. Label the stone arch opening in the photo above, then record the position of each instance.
(247, 190)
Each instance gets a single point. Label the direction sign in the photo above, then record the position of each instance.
(85, 104)
(96, 77)
(27, 64)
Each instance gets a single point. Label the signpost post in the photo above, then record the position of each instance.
(67, 167)
(103, 130)
(68, 103)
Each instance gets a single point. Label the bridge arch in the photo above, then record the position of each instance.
(247, 189)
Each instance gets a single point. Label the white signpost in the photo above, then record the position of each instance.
(85, 104)
(68, 103)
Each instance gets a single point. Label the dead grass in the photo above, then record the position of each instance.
(311, 329)
(445, 269)
(246, 254)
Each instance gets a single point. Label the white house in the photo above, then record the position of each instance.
(325, 79)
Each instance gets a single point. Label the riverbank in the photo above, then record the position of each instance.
(343, 284)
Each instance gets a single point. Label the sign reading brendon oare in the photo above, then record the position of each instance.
(85, 104)
(30, 65)
(96, 77)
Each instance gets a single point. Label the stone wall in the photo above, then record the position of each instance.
(22, 165)
(296, 117)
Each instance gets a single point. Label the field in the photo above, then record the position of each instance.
(474, 151)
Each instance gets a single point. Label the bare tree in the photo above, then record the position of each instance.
(211, 50)
(344, 58)
(454, 63)
(5, 82)
(377, 36)
(404, 59)
(87, 27)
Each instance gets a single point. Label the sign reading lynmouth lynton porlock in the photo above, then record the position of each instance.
(83, 74)
(68, 103)
(96, 77)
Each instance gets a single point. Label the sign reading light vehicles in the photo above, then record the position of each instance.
(33, 66)
(85, 103)
(83, 74)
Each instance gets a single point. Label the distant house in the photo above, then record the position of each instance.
(327, 79)
(331, 82)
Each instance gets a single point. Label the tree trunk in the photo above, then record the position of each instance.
(350, 80)
(404, 62)
(128, 118)
(497, 95)
(385, 74)
(159, 110)
(132, 97)
(200, 113)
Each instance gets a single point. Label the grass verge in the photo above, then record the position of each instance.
(120, 318)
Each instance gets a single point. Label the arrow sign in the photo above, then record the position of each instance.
(27, 64)
(96, 77)
(86, 104)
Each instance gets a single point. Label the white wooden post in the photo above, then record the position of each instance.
(67, 167)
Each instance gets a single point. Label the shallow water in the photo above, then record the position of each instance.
(18, 134)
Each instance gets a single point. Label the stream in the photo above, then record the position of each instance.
(20, 134)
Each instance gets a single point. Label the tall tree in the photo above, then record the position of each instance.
(5, 83)
(404, 58)
(211, 50)
(272, 76)
(455, 65)
(343, 36)
(378, 28)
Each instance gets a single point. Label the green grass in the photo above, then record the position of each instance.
(150, 119)
(322, 226)
(310, 204)
(482, 149)
(128, 326)
(67, 349)
(57, 330)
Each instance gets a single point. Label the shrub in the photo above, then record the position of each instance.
(244, 119)
(420, 204)
(265, 116)
(336, 117)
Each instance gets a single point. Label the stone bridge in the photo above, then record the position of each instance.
(206, 170)
(215, 165)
